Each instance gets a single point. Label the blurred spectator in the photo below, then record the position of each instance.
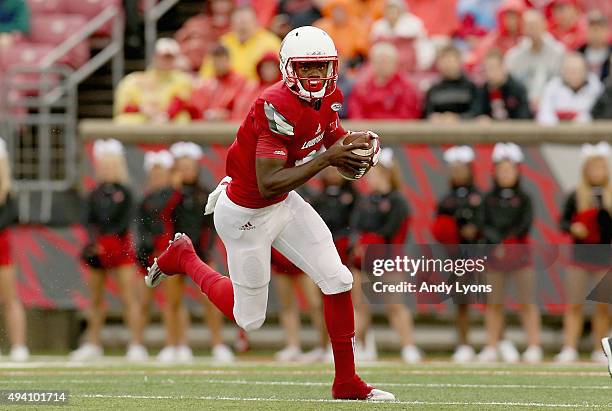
(158, 94)
(301, 12)
(483, 12)
(268, 73)
(265, 10)
(345, 28)
(602, 110)
(505, 36)
(453, 96)
(14, 17)
(439, 16)
(597, 50)
(215, 98)
(202, 31)
(501, 97)
(382, 91)
(571, 96)
(368, 11)
(567, 23)
(537, 58)
(603, 6)
(247, 42)
(407, 32)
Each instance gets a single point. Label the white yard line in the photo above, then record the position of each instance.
(325, 384)
(309, 400)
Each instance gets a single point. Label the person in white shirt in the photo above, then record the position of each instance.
(537, 57)
(571, 96)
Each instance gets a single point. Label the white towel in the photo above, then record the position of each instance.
(214, 196)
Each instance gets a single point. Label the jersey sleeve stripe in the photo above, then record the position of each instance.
(276, 121)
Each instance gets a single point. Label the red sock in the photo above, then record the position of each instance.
(340, 321)
(218, 288)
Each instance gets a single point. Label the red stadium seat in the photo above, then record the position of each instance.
(26, 55)
(90, 9)
(53, 29)
(38, 7)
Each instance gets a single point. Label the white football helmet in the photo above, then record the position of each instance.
(307, 44)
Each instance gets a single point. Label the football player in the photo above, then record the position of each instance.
(256, 207)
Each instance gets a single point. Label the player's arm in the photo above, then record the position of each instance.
(274, 178)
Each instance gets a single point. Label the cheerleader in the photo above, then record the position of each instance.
(189, 218)
(14, 314)
(587, 218)
(110, 250)
(508, 216)
(458, 221)
(155, 229)
(287, 280)
(381, 217)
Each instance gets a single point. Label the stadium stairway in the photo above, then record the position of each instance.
(96, 93)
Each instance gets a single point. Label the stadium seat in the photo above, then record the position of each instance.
(53, 29)
(39, 7)
(90, 9)
(26, 55)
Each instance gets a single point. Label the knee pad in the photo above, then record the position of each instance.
(339, 282)
(250, 306)
(250, 324)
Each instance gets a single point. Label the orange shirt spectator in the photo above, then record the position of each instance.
(214, 99)
(439, 16)
(268, 73)
(340, 22)
(202, 31)
(505, 36)
(382, 91)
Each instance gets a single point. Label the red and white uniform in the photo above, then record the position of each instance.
(279, 125)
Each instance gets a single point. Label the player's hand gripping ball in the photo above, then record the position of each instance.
(360, 137)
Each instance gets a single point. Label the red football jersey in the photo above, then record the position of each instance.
(279, 125)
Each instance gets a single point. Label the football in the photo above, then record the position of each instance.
(354, 138)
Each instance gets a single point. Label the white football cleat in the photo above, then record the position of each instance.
(411, 354)
(464, 354)
(136, 353)
(488, 354)
(606, 344)
(567, 355)
(184, 354)
(19, 353)
(288, 354)
(222, 353)
(533, 354)
(380, 395)
(508, 352)
(87, 352)
(167, 355)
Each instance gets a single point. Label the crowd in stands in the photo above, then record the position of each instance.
(442, 60)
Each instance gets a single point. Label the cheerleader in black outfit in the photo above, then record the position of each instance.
(381, 217)
(110, 250)
(508, 216)
(459, 221)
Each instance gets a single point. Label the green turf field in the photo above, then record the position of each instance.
(255, 385)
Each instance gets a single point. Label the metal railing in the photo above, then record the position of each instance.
(38, 116)
(154, 10)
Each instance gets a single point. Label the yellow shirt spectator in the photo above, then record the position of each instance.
(146, 96)
(245, 56)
